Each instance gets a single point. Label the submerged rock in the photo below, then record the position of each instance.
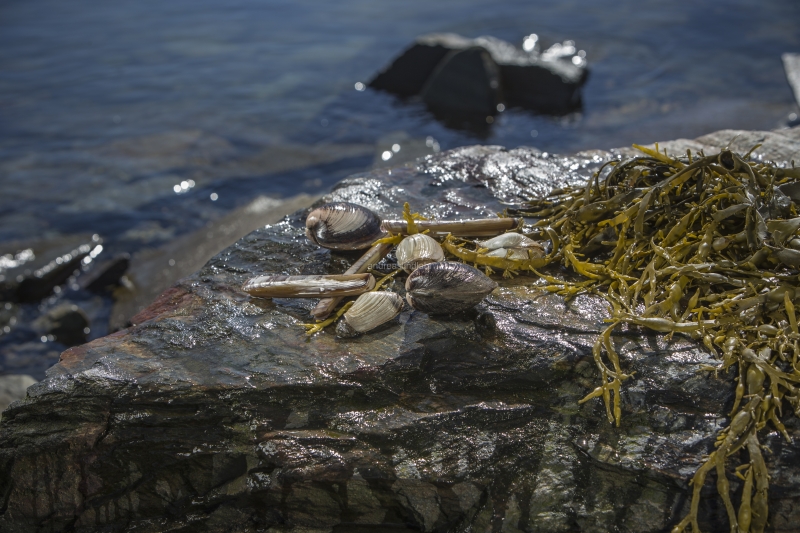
(214, 412)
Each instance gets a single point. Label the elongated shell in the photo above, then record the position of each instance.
(343, 226)
(417, 250)
(278, 286)
(481, 227)
(370, 310)
(509, 240)
(446, 287)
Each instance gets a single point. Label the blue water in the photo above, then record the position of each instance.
(106, 106)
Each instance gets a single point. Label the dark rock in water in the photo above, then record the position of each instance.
(32, 270)
(409, 72)
(66, 323)
(215, 413)
(465, 82)
(106, 275)
(547, 82)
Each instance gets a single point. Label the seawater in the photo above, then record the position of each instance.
(143, 120)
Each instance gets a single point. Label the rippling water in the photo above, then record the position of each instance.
(107, 107)
(139, 122)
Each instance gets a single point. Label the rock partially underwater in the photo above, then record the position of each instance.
(460, 78)
(214, 412)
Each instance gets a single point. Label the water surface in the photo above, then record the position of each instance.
(107, 107)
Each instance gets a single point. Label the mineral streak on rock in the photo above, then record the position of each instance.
(214, 412)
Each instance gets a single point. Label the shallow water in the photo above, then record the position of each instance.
(142, 121)
(106, 107)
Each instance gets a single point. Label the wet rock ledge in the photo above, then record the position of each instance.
(215, 413)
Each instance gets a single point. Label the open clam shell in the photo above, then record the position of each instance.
(343, 226)
(279, 286)
(447, 287)
(510, 240)
(417, 250)
(369, 311)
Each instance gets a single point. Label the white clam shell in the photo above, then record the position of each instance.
(417, 250)
(520, 254)
(509, 240)
(369, 311)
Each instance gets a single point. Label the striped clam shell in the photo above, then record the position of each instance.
(343, 226)
(447, 287)
(369, 311)
(279, 286)
(417, 250)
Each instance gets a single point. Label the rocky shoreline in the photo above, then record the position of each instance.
(214, 412)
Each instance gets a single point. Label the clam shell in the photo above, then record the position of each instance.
(509, 240)
(343, 226)
(417, 250)
(519, 254)
(446, 287)
(370, 310)
(279, 286)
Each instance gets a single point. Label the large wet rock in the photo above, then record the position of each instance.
(214, 411)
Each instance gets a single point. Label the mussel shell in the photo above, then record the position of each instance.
(280, 286)
(447, 287)
(369, 311)
(343, 226)
(417, 250)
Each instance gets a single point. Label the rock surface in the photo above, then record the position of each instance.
(214, 412)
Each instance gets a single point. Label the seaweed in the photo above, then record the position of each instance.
(703, 246)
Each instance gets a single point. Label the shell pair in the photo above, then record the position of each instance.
(436, 288)
(512, 246)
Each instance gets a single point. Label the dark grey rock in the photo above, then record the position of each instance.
(32, 270)
(465, 82)
(214, 412)
(106, 275)
(66, 324)
(453, 77)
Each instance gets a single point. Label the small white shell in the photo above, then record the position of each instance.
(370, 310)
(417, 250)
(509, 240)
(520, 254)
